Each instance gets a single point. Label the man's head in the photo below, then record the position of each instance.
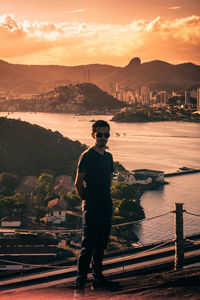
(101, 133)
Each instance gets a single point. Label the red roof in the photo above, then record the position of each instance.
(57, 204)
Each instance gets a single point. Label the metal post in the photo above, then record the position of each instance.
(179, 241)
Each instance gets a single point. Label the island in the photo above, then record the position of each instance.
(157, 114)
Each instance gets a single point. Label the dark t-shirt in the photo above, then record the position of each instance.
(97, 169)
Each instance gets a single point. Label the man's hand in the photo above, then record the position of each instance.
(79, 184)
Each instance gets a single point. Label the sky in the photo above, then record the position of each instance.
(79, 32)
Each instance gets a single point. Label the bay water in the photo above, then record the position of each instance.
(164, 146)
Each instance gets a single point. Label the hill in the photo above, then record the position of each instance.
(27, 149)
(32, 79)
(19, 79)
(78, 98)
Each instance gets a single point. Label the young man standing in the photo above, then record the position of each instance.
(93, 182)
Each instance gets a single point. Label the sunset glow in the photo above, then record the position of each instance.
(30, 33)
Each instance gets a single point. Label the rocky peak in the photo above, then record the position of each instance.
(134, 63)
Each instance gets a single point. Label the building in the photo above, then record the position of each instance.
(11, 221)
(187, 98)
(131, 178)
(157, 176)
(145, 95)
(129, 96)
(198, 99)
(162, 97)
(56, 211)
(145, 98)
(193, 94)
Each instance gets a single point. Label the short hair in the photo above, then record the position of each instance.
(99, 123)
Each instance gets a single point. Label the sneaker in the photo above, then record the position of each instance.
(103, 282)
(79, 292)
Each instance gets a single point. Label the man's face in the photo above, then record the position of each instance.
(101, 136)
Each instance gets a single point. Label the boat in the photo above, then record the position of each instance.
(184, 169)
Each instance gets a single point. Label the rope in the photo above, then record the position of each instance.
(142, 220)
(67, 267)
(116, 225)
(189, 213)
(35, 266)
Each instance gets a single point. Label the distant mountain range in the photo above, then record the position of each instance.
(34, 79)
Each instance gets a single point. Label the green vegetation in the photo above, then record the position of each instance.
(126, 205)
(27, 149)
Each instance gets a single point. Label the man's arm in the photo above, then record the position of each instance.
(79, 184)
(111, 178)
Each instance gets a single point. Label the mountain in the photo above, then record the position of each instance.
(156, 75)
(78, 98)
(28, 149)
(31, 79)
(37, 79)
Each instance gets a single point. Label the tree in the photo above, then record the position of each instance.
(131, 210)
(44, 189)
(118, 167)
(121, 190)
(9, 204)
(8, 182)
(21, 202)
(72, 200)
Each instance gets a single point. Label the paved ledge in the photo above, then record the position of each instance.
(180, 284)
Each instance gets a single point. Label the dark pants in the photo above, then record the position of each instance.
(96, 231)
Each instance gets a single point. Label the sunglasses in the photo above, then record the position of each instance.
(100, 134)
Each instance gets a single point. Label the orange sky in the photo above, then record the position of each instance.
(99, 31)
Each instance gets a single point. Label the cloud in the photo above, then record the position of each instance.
(75, 11)
(82, 43)
(174, 7)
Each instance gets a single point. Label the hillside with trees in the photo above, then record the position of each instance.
(78, 98)
(27, 149)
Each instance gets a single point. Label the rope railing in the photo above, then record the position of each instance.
(113, 226)
(189, 213)
(141, 220)
(67, 267)
(116, 225)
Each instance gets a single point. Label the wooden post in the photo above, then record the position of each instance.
(179, 241)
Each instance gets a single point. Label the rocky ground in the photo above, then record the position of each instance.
(181, 284)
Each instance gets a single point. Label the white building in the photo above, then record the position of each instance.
(56, 211)
(155, 175)
(131, 178)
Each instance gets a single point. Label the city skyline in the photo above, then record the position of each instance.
(105, 32)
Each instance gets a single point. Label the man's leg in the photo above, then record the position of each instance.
(100, 245)
(87, 246)
(97, 259)
(83, 265)
(100, 281)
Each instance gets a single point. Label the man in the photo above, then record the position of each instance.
(93, 181)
